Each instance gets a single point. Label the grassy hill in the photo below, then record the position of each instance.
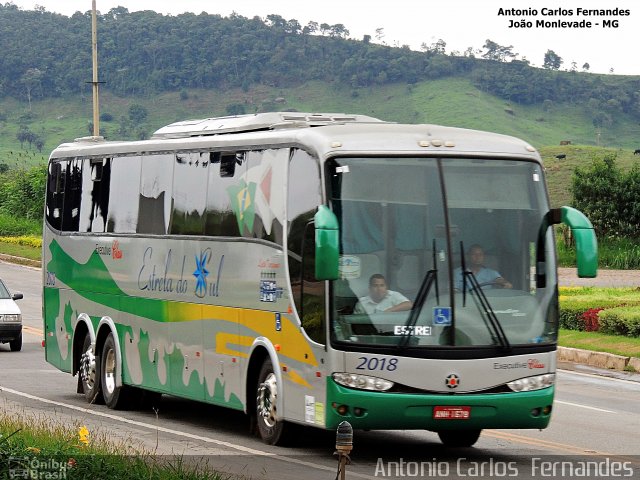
(453, 101)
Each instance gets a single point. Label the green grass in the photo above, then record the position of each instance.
(599, 342)
(24, 251)
(559, 173)
(613, 253)
(451, 101)
(55, 451)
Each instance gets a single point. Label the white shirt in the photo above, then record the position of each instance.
(391, 299)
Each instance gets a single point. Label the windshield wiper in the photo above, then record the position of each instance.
(429, 279)
(484, 307)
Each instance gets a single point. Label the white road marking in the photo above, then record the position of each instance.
(241, 448)
(584, 406)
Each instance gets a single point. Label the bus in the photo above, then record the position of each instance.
(226, 260)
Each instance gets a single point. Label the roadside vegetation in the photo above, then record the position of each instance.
(32, 448)
(600, 342)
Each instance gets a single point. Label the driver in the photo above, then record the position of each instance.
(381, 299)
(487, 277)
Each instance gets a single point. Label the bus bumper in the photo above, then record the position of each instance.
(384, 411)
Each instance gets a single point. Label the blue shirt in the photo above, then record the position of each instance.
(484, 276)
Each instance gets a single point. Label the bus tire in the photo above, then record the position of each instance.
(459, 438)
(270, 427)
(115, 397)
(89, 373)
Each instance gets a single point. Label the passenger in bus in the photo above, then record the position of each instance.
(381, 299)
(486, 277)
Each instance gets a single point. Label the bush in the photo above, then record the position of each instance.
(621, 321)
(22, 193)
(571, 318)
(614, 311)
(11, 226)
(609, 197)
(26, 241)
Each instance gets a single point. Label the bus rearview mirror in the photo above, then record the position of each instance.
(586, 242)
(327, 234)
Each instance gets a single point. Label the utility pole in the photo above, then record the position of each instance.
(95, 83)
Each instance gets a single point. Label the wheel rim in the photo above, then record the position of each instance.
(110, 371)
(267, 396)
(88, 368)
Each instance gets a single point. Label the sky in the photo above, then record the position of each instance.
(460, 23)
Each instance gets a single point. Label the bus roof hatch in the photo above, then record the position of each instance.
(256, 122)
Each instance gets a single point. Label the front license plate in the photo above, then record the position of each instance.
(451, 413)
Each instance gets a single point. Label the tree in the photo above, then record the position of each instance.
(31, 79)
(311, 28)
(338, 31)
(137, 113)
(497, 52)
(586, 67)
(235, 109)
(552, 60)
(437, 48)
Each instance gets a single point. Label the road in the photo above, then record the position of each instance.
(596, 419)
(606, 278)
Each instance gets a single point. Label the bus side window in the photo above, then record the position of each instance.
(72, 197)
(304, 196)
(55, 194)
(220, 218)
(312, 291)
(96, 175)
(189, 194)
(156, 185)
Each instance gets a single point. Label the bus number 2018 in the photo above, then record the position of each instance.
(375, 363)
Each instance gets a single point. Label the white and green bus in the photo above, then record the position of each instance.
(226, 260)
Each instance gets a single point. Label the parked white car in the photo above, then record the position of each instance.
(10, 319)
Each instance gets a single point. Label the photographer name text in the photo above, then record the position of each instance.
(563, 18)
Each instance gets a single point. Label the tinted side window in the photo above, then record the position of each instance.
(223, 180)
(302, 203)
(154, 203)
(96, 178)
(123, 201)
(189, 193)
(55, 193)
(246, 194)
(72, 196)
(264, 180)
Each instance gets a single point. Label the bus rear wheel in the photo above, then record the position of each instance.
(88, 374)
(116, 397)
(459, 438)
(270, 427)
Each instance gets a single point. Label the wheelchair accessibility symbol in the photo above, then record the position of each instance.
(442, 315)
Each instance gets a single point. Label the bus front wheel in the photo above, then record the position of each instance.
(459, 438)
(115, 397)
(88, 374)
(270, 427)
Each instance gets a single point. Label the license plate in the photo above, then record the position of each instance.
(451, 413)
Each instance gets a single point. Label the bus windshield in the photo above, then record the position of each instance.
(441, 252)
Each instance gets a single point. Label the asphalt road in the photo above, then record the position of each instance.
(595, 419)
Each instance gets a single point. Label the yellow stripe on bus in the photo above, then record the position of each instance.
(293, 344)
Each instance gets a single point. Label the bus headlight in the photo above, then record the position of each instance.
(532, 383)
(363, 382)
